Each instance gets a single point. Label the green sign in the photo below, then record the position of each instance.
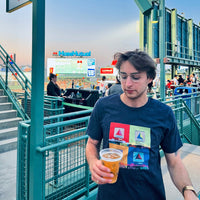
(12, 5)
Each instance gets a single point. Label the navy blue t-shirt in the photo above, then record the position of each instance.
(138, 132)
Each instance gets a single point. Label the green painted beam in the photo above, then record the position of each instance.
(190, 38)
(150, 34)
(77, 106)
(144, 5)
(36, 170)
(174, 31)
(141, 31)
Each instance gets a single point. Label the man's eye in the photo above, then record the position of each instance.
(135, 78)
(124, 77)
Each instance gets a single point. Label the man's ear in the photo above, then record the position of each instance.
(150, 80)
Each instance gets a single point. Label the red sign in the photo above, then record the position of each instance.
(51, 70)
(106, 71)
(55, 53)
(114, 62)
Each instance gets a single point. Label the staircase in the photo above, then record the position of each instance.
(8, 125)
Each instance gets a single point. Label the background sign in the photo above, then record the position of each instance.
(12, 5)
(107, 70)
(71, 66)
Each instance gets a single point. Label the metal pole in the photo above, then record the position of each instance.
(36, 173)
(7, 72)
(162, 47)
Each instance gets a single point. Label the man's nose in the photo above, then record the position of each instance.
(129, 81)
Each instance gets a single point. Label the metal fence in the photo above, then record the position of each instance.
(66, 174)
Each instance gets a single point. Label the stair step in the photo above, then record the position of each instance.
(8, 145)
(8, 114)
(1, 92)
(3, 99)
(5, 106)
(8, 133)
(8, 123)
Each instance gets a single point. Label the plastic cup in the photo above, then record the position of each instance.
(111, 158)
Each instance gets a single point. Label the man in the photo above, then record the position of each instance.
(175, 80)
(103, 86)
(52, 88)
(137, 125)
(116, 88)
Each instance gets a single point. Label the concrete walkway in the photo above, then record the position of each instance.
(190, 155)
(8, 163)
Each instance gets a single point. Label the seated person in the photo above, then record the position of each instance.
(52, 88)
(168, 85)
(180, 80)
(116, 88)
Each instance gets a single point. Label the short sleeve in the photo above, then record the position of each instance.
(171, 141)
(94, 129)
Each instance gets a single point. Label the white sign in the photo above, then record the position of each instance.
(12, 5)
(71, 66)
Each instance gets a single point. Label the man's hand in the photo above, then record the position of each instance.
(189, 195)
(99, 172)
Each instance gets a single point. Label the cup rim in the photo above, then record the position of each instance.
(118, 151)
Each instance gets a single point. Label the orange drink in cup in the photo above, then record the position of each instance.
(111, 158)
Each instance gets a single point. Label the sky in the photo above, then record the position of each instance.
(103, 27)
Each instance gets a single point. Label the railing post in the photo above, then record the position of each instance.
(25, 97)
(7, 72)
(37, 171)
(87, 177)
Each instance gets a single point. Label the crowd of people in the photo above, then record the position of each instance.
(179, 80)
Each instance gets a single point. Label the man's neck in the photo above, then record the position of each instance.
(135, 103)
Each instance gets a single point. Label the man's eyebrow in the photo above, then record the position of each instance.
(134, 73)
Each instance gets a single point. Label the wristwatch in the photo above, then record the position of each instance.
(188, 187)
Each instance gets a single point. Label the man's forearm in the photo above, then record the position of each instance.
(91, 151)
(179, 176)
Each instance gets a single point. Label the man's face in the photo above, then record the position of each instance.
(54, 79)
(133, 82)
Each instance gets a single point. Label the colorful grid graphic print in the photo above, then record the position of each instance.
(138, 158)
(119, 132)
(140, 136)
(134, 141)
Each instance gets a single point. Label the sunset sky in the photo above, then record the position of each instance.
(102, 27)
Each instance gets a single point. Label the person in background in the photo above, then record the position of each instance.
(168, 85)
(187, 80)
(116, 88)
(180, 80)
(149, 87)
(107, 90)
(175, 80)
(52, 88)
(193, 78)
(138, 126)
(72, 83)
(103, 86)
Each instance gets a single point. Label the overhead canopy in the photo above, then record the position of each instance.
(144, 5)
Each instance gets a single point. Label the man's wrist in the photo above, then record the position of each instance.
(188, 188)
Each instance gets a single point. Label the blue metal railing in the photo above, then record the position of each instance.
(178, 51)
